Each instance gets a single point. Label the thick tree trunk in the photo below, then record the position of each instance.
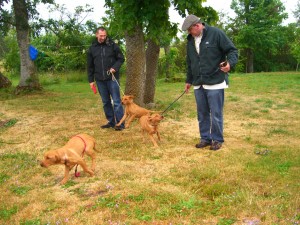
(135, 65)
(4, 81)
(29, 78)
(249, 62)
(152, 55)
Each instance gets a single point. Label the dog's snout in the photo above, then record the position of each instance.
(42, 164)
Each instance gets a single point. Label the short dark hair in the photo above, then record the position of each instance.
(101, 28)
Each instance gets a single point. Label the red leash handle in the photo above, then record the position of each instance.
(94, 89)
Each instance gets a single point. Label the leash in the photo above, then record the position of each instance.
(221, 65)
(114, 79)
(77, 174)
(173, 102)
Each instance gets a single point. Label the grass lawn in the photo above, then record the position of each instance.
(254, 179)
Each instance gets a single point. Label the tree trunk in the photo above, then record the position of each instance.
(167, 53)
(29, 78)
(152, 54)
(249, 62)
(4, 81)
(135, 65)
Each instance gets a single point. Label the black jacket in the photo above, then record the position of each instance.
(215, 47)
(102, 57)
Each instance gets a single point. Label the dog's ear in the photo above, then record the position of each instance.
(131, 96)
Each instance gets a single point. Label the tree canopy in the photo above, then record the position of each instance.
(257, 26)
(265, 44)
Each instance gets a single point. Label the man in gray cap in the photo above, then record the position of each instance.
(210, 56)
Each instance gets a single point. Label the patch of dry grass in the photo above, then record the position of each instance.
(254, 179)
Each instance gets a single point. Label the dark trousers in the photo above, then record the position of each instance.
(110, 94)
(210, 105)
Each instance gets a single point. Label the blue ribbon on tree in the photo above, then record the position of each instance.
(33, 53)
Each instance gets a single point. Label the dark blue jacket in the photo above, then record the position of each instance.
(102, 57)
(215, 48)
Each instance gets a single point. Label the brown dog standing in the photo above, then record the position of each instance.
(72, 154)
(149, 124)
(132, 110)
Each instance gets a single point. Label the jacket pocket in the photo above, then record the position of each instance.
(211, 49)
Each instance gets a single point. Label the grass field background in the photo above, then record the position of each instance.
(254, 179)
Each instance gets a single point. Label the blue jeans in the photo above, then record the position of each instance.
(210, 105)
(110, 89)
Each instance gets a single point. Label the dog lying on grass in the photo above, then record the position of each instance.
(149, 124)
(71, 154)
(132, 110)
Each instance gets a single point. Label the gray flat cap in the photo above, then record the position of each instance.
(189, 21)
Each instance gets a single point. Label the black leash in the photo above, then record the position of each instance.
(173, 103)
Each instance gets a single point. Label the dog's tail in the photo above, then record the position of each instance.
(158, 112)
(95, 148)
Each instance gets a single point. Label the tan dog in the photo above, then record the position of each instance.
(132, 110)
(72, 154)
(149, 124)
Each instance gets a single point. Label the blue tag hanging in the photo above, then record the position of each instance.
(33, 52)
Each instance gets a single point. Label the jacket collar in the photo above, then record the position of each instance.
(107, 42)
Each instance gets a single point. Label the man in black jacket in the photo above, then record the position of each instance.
(210, 56)
(104, 60)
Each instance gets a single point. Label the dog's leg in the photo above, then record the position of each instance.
(123, 118)
(158, 135)
(129, 121)
(93, 162)
(92, 154)
(84, 167)
(153, 140)
(66, 177)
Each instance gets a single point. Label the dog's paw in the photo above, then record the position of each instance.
(92, 173)
(63, 182)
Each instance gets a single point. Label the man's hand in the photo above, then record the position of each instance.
(225, 66)
(93, 87)
(187, 87)
(112, 70)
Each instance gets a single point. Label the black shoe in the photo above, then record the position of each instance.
(202, 144)
(106, 126)
(118, 128)
(215, 146)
